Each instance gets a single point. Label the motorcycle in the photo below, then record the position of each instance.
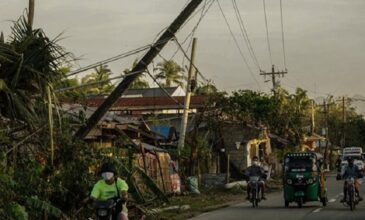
(352, 199)
(254, 183)
(105, 210)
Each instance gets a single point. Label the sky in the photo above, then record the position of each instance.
(324, 39)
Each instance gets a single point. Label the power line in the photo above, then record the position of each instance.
(163, 89)
(237, 44)
(245, 34)
(188, 58)
(192, 33)
(112, 59)
(267, 32)
(96, 82)
(282, 32)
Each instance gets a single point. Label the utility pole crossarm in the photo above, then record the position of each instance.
(273, 75)
(140, 67)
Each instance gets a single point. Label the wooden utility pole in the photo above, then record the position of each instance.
(313, 117)
(31, 12)
(326, 124)
(273, 77)
(139, 68)
(184, 120)
(2, 39)
(343, 141)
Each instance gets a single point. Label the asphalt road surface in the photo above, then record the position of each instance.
(273, 208)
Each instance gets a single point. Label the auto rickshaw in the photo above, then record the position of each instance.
(304, 179)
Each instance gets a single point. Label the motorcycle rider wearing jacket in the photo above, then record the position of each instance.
(255, 170)
(111, 187)
(352, 171)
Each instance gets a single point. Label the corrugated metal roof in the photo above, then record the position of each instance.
(150, 92)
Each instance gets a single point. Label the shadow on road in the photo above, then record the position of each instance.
(269, 207)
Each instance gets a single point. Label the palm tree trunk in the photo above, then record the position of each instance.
(50, 123)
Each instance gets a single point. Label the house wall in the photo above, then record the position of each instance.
(231, 135)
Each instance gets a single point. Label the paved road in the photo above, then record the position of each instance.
(273, 209)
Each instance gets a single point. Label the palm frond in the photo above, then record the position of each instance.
(46, 207)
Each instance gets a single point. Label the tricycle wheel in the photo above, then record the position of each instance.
(300, 202)
(286, 204)
(324, 201)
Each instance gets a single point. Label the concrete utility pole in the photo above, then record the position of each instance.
(313, 117)
(191, 76)
(31, 12)
(273, 77)
(139, 68)
(325, 157)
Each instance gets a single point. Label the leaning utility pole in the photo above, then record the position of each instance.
(139, 68)
(191, 76)
(273, 77)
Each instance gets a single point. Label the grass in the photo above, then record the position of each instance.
(208, 200)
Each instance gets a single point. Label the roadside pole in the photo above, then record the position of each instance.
(184, 120)
(31, 12)
(140, 67)
(343, 141)
(327, 136)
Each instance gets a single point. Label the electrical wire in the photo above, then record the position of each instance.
(245, 34)
(188, 58)
(282, 32)
(112, 59)
(267, 32)
(163, 89)
(192, 33)
(237, 44)
(96, 82)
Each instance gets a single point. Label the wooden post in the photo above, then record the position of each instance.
(161, 174)
(143, 158)
(228, 162)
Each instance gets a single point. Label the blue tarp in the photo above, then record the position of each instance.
(163, 130)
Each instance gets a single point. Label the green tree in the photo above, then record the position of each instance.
(206, 89)
(138, 82)
(100, 77)
(169, 72)
(292, 114)
(287, 115)
(29, 63)
(68, 83)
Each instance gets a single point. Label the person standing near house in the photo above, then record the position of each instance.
(111, 187)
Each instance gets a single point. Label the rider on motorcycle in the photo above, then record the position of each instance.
(256, 170)
(352, 171)
(111, 187)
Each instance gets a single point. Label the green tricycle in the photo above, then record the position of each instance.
(304, 179)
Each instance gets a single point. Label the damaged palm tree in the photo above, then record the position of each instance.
(29, 64)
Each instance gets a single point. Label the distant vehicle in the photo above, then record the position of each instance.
(354, 152)
(304, 179)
